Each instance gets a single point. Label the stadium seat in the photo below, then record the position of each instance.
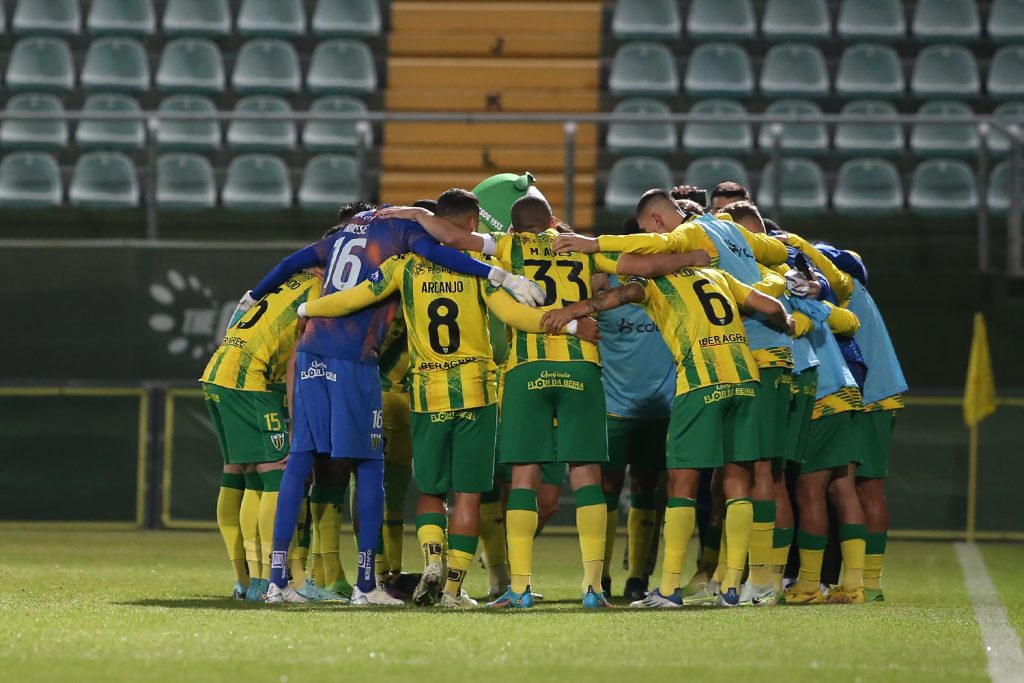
(334, 136)
(116, 64)
(257, 182)
(872, 20)
(185, 182)
(1008, 113)
(262, 136)
(329, 181)
(267, 66)
(1006, 21)
(868, 186)
(191, 65)
(630, 178)
(104, 180)
(869, 70)
(719, 70)
(946, 21)
(998, 196)
(942, 188)
(644, 69)
(805, 20)
(197, 18)
(793, 70)
(111, 134)
(121, 18)
(40, 64)
(30, 180)
(47, 17)
(342, 67)
(646, 19)
(877, 139)
(802, 187)
(29, 134)
(193, 136)
(721, 20)
(1006, 73)
(272, 18)
(950, 140)
(945, 71)
(722, 137)
(642, 138)
(347, 18)
(706, 173)
(803, 139)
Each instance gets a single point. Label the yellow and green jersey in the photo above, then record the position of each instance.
(255, 352)
(842, 401)
(696, 311)
(894, 402)
(394, 358)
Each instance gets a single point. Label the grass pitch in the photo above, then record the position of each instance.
(138, 606)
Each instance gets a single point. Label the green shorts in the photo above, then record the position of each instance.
(538, 393)
(551, 473)
(801, 407)
(251, 426)
(830, 443)
(454, 450)
(873, 432)
(714, 425)
(773, 398)
(636, 442)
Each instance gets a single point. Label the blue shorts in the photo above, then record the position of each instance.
(337, 408)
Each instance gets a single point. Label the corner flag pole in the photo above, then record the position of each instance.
(979, 403)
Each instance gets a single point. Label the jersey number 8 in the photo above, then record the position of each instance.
(448, 319)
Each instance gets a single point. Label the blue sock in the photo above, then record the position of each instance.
(289, 498)
(370, 503)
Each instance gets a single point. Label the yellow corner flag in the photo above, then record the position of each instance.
(980, 390)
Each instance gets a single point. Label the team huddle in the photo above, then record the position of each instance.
(741, 376)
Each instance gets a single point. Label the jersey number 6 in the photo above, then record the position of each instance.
(707, 301)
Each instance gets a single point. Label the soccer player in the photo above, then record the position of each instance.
(726, 193)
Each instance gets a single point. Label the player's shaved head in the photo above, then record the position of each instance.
(746, 214)
(532, 214)
(346, 212)
(657, 211)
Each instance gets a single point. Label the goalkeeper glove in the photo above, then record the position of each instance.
(244, 304)
(796, 283)
(525, 291)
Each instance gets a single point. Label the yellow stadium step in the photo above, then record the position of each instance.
(498, 17)
(459, 134)
(401, 186)
(483, 100)
(494, 74)
(494, 45)
(483, 158)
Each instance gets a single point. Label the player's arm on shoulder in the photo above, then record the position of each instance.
(632, 292)
(381, 284)
(842, 320)
(802, 324)
(841, 283)
(657, 265)
(767, 250)
(649, 243)
(527, 319)
(751, 300)
(441, 229)
(771, 283)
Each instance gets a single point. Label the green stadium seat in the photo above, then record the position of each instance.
(999, 183)
(869, 70)
(872, 20)
(30, 180)
(1008, 113)
(802, 187)
(876, 139)
(262, 136)
(805, 20)
(646, 19)
(257, 182)
(721, 20)
(643, 69)
(185, 182)
(110, 133)
(945, 71)
(267, 66)
(943, 188)
(3, 18)
(708, 172)
(121, 18)
(40, 64)
(950, 140)
(868, 186)
(719, 70)
(1006, 73)
(191, 65)
(47, 17)
(197, 18)
(336, 136)
(642, 138)
(344, 67)
(803, 139)
(721, 137)
(272, 18)
(104, 180)
(30, 134)
(794, 70)
(1006, 21)
(116, 64)
(190, 136)
(328, 181)
(347, 18)
(630, 178)
(946, 21)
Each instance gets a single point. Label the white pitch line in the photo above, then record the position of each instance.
(1002, 645)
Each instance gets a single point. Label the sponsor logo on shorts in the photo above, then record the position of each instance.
(448, 415)
(278, 440)
(553, 379)
(318, 369)
(724, 391)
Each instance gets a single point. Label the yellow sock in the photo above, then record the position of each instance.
(680, 518)
(249, 523)
(229, 503)
(874, 548)
(852, 544)
(268, 510)
(812, 552)
(723, 556)
(316, 564)
(430, 528)
(461, 551)
(393, 531)
(611, 528)
(492, 534)
(591, 525)
(521, 525)
(782, 540)
(762, 532)
(640, 532)
(739, 520)
(330, 542)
